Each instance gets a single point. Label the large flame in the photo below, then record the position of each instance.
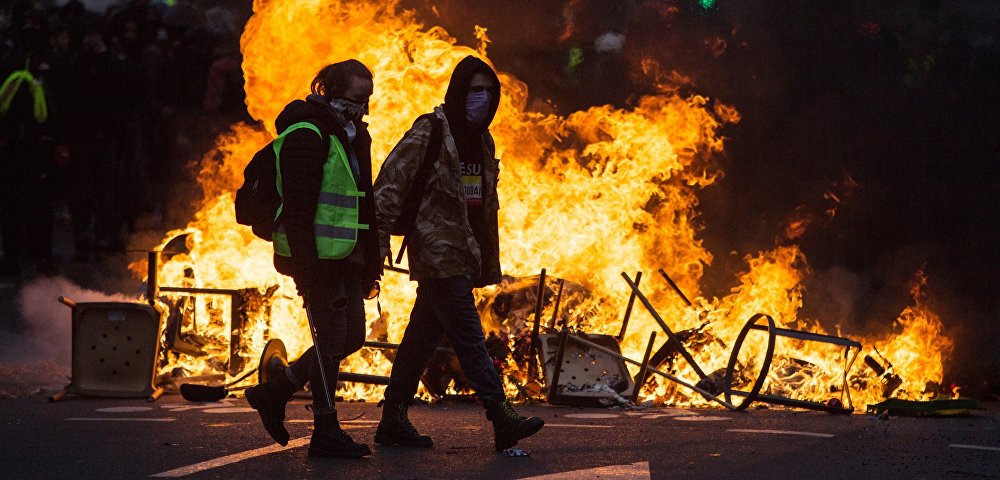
(585, 196)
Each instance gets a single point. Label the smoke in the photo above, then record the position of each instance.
(39, 353)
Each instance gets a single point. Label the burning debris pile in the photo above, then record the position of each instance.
(585, 195)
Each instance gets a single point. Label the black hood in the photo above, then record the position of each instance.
(458, 89)
(313, 109)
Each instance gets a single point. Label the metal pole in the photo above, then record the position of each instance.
(673, 337)
(319, 358)
(393, 268)
(641, 378)
(628, 308)
(153, 264)
(557, 368)
(674, 285)
(395, 346)
(555, 311)
(236, 323)
(533, 351)
(363, 378)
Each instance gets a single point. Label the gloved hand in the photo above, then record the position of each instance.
(303, 283)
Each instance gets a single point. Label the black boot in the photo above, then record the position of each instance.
(329, 440)
(395, 428)
(269, 399)
(508, 426)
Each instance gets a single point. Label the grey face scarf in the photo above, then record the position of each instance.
(477, 105)
(350, 111)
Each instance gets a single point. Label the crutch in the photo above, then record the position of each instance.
(319, 358)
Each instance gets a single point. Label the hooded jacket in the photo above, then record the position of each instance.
(444, 243)
(302, 158)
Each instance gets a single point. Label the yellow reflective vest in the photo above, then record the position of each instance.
(336, 222)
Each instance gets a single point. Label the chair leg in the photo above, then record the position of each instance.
(59, 395)
(155, 395)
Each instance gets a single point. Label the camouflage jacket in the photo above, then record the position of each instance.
(442, 243)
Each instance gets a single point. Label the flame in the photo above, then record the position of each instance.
(587, 196)
(918, 343)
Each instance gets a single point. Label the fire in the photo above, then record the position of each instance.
(585, 196)
(918, 343)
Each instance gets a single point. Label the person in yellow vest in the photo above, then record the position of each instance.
(323, 241)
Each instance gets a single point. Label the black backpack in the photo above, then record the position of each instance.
(257, 200)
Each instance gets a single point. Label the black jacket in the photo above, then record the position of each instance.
(302, 158)
(475, 144)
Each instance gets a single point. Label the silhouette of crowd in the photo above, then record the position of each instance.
(99, 114)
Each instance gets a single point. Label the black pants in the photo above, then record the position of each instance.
(444, 306)
(338, 315)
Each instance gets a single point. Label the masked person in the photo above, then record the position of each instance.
(323, 242)
(453, 248)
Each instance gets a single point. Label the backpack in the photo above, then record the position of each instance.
(407, 217)
(257, 200)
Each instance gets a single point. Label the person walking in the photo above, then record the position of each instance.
(323, 242)
(453, 248)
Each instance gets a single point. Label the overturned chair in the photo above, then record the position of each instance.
(115, 347)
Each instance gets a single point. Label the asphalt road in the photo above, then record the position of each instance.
(83, 438)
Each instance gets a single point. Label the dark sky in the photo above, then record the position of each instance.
(894, 106)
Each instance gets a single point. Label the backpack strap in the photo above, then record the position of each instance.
(431, 152)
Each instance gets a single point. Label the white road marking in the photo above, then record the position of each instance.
(114, 419)
(781, 432)
(182, 407)
(229, 410)
(230, 459)
(700, 418)
(123, 409)
(351, 423)
(666, 412)
(592, 415)
(573, 425)
(635, 471)
(360, 423)
(974, 447)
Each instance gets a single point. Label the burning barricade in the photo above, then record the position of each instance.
(585, 193)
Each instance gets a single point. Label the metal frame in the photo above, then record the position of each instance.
(533, 347)
(644, 366)
(237, 320)
(670, 333)
(754, 394)
(628, 308)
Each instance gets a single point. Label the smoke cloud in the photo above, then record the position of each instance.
(38, 355)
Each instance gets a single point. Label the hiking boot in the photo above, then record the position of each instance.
(395, 428)
(269, 399)
(329, 440)
(508, 426)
